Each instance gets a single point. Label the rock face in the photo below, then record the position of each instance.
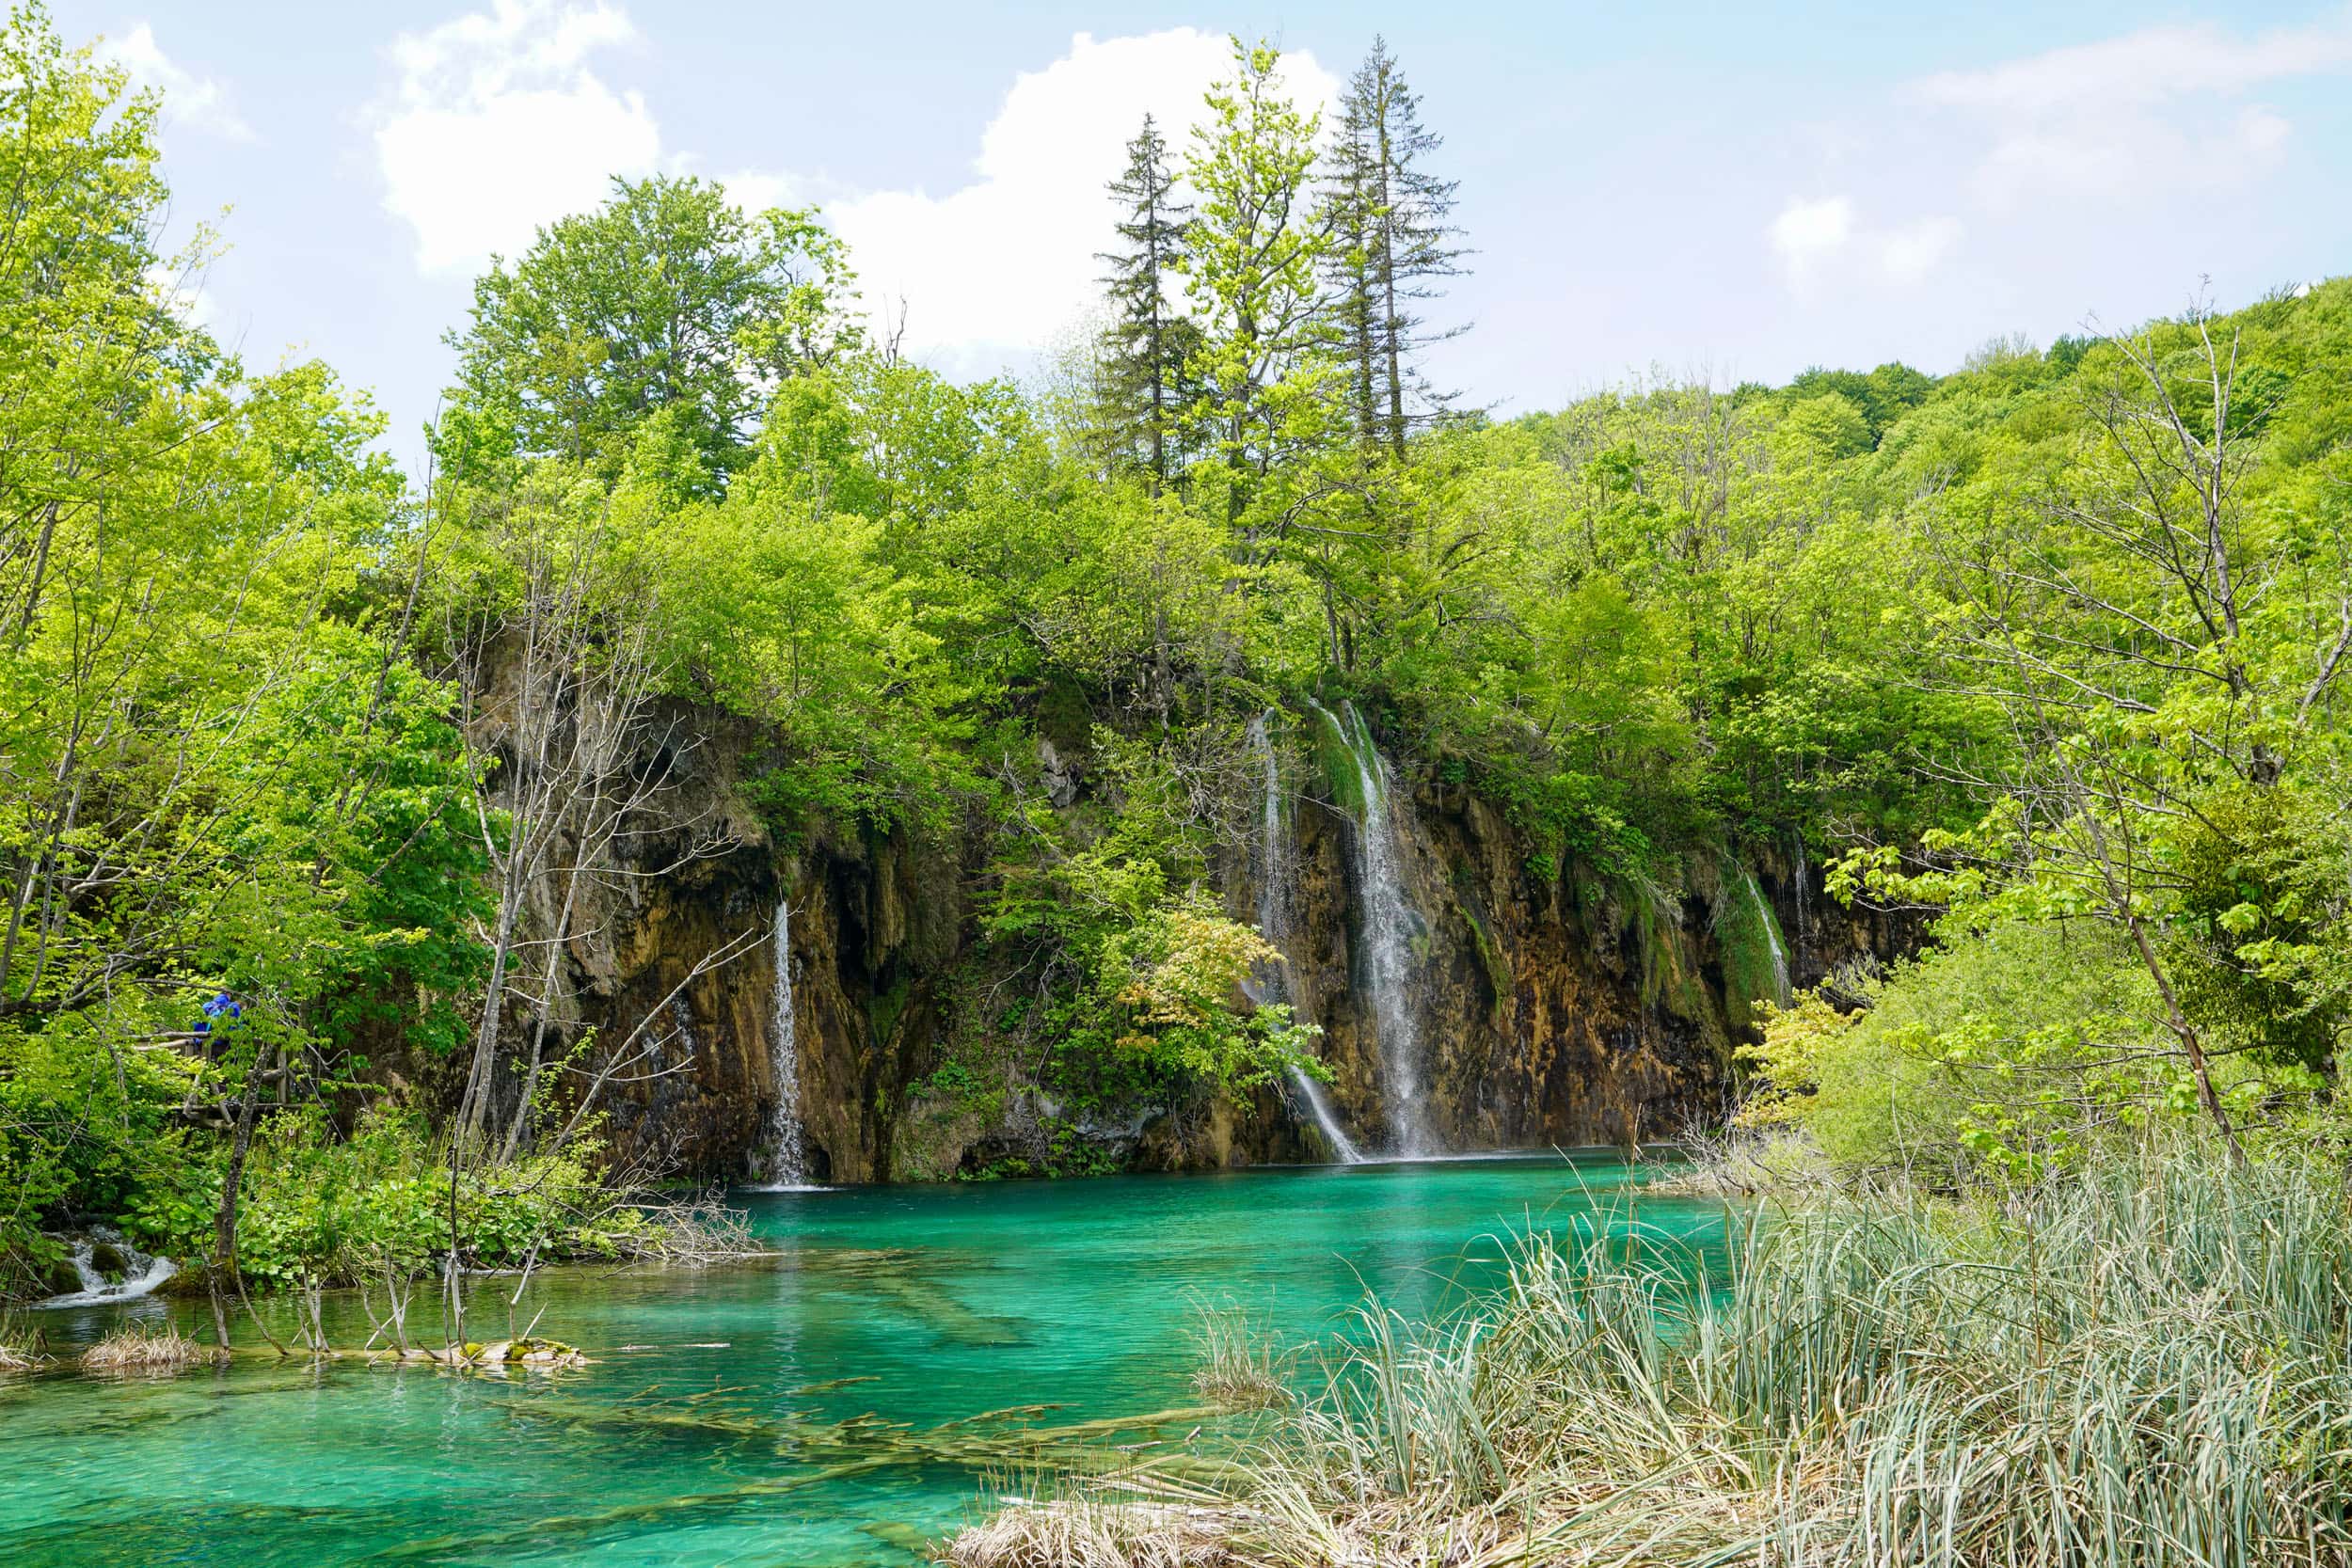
(1547, 1008)
(1536, 1024)
(873, 930)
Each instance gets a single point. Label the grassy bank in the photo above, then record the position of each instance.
(2147, 1362)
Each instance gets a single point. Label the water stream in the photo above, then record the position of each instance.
(715, 1426)
(1782, 994)
(131, 1274)
(1277, 880)
(1391, 965)
(784, 1160)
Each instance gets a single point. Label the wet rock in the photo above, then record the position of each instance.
(1061, 781)
(1554, 1005)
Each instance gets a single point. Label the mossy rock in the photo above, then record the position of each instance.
(194, 1281)
(60, 1279)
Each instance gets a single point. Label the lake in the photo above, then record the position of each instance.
(697, 1437)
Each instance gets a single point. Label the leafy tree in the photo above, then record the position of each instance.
(667, 301)
(221, 781)
(1881, 397)
(2164, 657)
(1251, 272)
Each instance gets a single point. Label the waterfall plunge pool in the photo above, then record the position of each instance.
(946, 1301)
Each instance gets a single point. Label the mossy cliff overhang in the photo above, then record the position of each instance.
(1554, 1006)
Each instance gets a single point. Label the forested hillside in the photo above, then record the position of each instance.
(314, 771)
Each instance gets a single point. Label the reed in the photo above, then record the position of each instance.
(1237, 1362)
(20, 1346)
(146, 1348)
(2146, 1364)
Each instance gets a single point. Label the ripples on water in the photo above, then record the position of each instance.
(945, 1300)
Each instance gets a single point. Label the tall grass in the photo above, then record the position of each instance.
(1236, 1363)
(151, 1347)
(21, 1345)
(2147, 1363)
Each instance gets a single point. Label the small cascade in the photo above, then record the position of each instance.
(1782, 994)
(1389, 927)
(111, 1270)
(1275, 876)
(783, 1161)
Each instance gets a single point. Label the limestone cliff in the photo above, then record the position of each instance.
(1548, 1008)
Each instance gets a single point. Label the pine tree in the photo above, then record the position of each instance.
(1353, 315)
(1149, 342)
(1394, 238)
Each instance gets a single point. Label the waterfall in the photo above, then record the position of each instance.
(784, 1160)
(1782, 994)
(1389, 927)
(1275, 876)
(136, 1276)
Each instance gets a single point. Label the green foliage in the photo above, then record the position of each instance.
(1250, 271)
(81, 1126)
(2008, 1051)
(2251, 936)
(1146, 351)
(1971, 635)
(1879, 398)
(219, 772)
(667, 305)
(1149, 972)
(319, 1207)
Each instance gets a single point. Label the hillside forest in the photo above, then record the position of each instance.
(309, 762)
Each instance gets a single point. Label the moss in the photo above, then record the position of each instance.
(1670, 974)
(1336, 760)
(1745, 937)
(886, 1008)
(1500, 981)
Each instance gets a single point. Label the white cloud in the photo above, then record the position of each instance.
(2261, 131)
(2126, 116)
(497, 123)
(1008, 259)
(2145, 69)
(1808, 234)
(2033, 149)
(755, 190)
(1907, 254)
(198, 103)
(1823, 241)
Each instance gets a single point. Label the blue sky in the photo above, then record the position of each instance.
(1675, 190)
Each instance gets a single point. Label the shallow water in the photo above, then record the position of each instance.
(951, 1300)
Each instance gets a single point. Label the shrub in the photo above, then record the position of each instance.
(2002, 1049)
(319, 1209)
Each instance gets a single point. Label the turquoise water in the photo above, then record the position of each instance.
(947, 1301)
